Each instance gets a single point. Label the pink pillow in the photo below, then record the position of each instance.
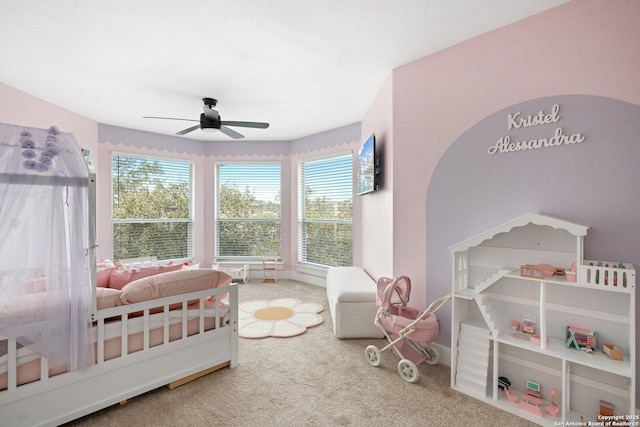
(40, 284)
(36, 285)
(24, 308)
(104, 267)
(121, 276)
(172, 283)
(107, 297)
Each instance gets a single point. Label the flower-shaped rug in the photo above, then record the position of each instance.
(282, 317)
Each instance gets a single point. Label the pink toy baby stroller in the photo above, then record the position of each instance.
(408, 330)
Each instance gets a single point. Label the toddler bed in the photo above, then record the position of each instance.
(164, 329)
(71, 343)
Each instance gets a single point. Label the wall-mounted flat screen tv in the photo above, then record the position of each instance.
(367, 177)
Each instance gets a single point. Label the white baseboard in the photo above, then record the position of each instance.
(445, 354)
(309, 279)
(311, 276)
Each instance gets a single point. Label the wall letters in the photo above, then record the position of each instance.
(516, 121)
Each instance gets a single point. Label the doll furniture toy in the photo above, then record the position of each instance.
(489, 292)
(237, 272)
(352, 303)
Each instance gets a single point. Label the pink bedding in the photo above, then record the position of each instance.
(30, 371)
(145, 288)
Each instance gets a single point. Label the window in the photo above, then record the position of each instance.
(325, 206)
(248, 211)
(151, 208)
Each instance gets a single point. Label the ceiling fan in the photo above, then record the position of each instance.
(210, 119)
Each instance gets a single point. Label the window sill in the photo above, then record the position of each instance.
(313, 269)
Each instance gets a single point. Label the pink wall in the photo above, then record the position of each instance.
(22, 109)
(373, 213)
(582, 47)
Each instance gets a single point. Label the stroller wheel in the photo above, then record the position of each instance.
(408, 370)
(432, 354)
(373, 355)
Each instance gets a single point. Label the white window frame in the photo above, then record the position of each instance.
(302, 258)
(189, 221)
(256, 258)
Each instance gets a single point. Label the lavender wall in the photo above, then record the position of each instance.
(591, 182)
(204, 155)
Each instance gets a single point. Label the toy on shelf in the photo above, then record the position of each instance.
(533, 389)
(571, 274)
(529, 324)
(536, 339)
(504, 384)
(528, 270)
(511, 395)
(614, 352)
(552, 408)
(608, 273)
(606, 409)
(581, 339)
(525, 330)
(530, 401)
(540, 271)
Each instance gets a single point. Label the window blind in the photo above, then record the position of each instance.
(151, 208)
(248, 209)
(325, 211)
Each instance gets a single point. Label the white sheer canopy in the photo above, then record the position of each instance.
(46, 289)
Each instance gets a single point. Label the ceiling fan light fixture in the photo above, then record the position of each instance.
(210, 121)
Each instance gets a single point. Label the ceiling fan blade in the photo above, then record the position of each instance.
(246, 124)
(210, 113)
(187, 130)
(170, 118)
(230, 132)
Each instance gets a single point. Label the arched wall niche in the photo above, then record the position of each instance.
(593, 182)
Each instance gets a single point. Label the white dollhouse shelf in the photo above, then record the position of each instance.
(489, 294)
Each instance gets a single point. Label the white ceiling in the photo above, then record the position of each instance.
(304, 66)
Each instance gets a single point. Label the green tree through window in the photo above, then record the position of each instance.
(151, 209)
(248, 217)
(326, 211)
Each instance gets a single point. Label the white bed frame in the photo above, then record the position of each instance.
(65, 397)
